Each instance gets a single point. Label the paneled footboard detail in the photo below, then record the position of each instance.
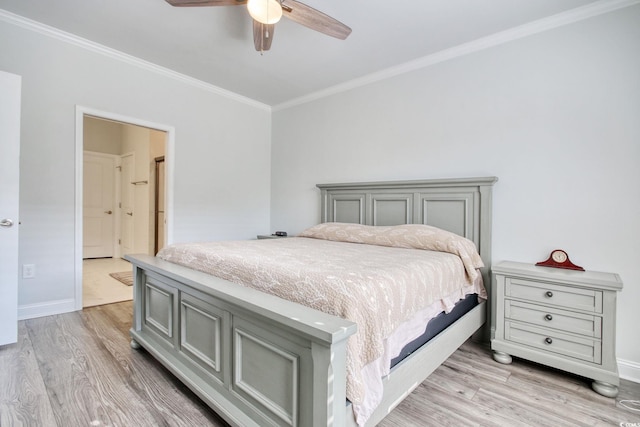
(267, 371)
(256, 359)
(201, 334)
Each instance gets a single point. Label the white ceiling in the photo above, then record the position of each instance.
(215, 44)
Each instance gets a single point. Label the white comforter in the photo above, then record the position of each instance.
(378, 285)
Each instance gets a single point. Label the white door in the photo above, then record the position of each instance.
(9, 192)
(98, 205)
(126, 204)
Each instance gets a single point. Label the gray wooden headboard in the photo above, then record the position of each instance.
(460, 205)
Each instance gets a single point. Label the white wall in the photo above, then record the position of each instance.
(222, 166)
(556, 116)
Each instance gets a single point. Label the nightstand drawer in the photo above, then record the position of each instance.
(547, 317)
(556, 295)
(552, 341)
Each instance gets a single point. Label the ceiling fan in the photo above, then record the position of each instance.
(266, 13)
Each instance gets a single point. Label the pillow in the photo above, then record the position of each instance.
(411, 236)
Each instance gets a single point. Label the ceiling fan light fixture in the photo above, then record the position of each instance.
(265, 11)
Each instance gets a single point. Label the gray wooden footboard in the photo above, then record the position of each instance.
(257, 360)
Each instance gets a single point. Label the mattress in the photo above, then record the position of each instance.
(436, 325)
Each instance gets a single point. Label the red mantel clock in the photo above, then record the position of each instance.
(559, 259)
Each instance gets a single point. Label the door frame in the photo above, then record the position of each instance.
(169, 131)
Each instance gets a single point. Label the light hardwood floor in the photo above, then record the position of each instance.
(77, 369)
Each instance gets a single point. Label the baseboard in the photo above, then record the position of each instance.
(46, 309)
(629, 370)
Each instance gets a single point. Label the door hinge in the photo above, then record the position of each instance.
(119, 241)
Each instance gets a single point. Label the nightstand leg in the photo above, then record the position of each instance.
(501, 357)
(134, 344)
(605, 389)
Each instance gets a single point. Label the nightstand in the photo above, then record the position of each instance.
(560, 318)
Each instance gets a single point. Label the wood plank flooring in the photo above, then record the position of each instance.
(77, 369)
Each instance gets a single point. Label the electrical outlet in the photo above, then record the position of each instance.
(28, 271)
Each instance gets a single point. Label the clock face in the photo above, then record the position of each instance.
(559, 256)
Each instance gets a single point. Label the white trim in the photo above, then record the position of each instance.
(79, 151)
(565, 18)
(629, 370)
(49, 308)
(55, 33)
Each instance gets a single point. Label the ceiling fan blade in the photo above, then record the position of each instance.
(262, 35)
(314, 19)
(190, 3)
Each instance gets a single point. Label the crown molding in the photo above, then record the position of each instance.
(565, 18)
(561, 19)
(63, 36)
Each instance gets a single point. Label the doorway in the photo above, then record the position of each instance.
(116, 198)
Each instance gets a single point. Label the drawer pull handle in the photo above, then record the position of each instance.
(548, 317)
(549, 294)
(548, 340)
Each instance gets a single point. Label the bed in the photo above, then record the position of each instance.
(260, 360)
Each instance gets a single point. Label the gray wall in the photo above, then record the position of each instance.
(222, 166)
(556, 116)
